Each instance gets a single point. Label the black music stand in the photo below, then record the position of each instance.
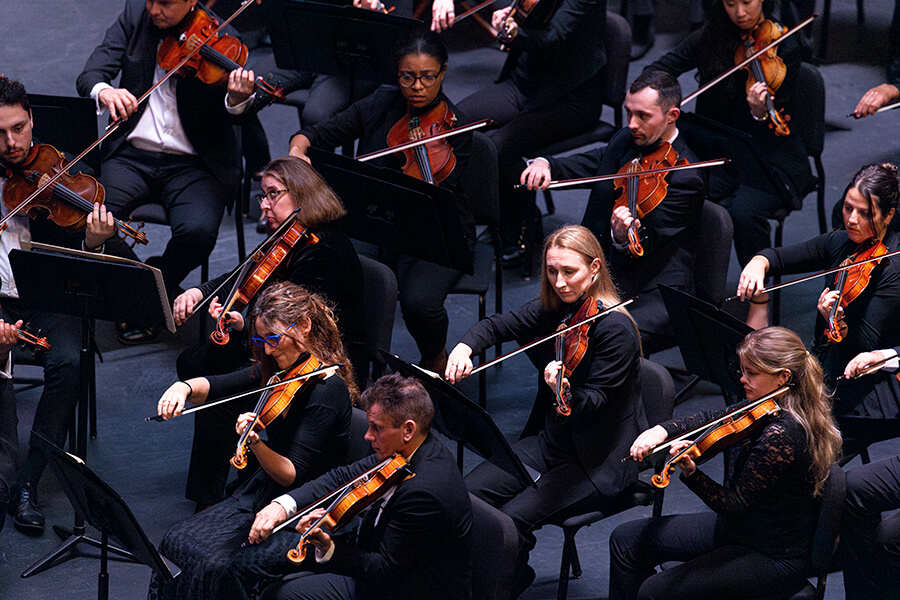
(335, 40)
(98, 504)
(466, 423)
(707, 337)
(396, 212)
(90, 286)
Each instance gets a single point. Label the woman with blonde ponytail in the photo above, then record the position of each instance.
(756, 541)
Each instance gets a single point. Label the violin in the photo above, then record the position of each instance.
(851, 282)
(273, 403)
(570, 349)
(282, 243)
(217, 56)
(644, 193)
(521, 11)
(39, 343)
(768, 69)
(434, 160)
(736, 426)
(66, 202)
(354, 499)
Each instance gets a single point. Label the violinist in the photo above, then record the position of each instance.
(578, 456)
(414, 542)
(179, 148)
(60, 362)
(871, 319)
(421, 66)
(548, 90)
(309, 437)
(666, 231)
(756, 540)
(743, 188)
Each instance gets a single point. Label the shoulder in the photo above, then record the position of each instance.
(331, 392)
(616, 329)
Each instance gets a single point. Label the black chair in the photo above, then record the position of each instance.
(380, 292)
(495, 544)
(358, 448)
(480, 182)
(658, 397)
(826, 20)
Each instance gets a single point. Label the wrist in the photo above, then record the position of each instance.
(190, 388)
(762, 119)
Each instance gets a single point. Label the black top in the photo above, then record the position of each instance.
(726, 102)
(421, 545)
(329, 267)
(769, 503)
(313, 432)
(606, 389)
(369, 120)
(873, 319)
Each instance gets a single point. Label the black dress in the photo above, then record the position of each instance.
(313, 435)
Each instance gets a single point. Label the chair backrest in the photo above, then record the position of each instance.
(495, 544)
(809, 113)
(657, 392)
(480, 178)
(828, 522)
(712, 253)
(358, 447)
(618, 56)
(380, 292)
(67, 123)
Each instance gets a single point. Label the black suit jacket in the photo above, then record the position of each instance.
(420, 547)
(129, 48)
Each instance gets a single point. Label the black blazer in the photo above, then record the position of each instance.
(421, 546)
(129, 48)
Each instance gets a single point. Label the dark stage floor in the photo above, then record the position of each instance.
(45, 46)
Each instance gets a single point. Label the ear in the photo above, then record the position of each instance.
(673, 114)
(784, 377)
(595, 268)
(305, 326)
(409, 430)
(890, 215)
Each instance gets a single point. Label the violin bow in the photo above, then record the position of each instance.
(819, 274)
(868, 369)
(882, 109)
(329, 369)
(553, 335)
(562, 183)
(749, 59)
(472, 10)
(115, 124)
(424, 140)
(706, 426)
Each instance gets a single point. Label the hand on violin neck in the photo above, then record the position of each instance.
(826, 300)
(100, 227)
(756, 98)
(620, 222)
(120, 102)
(243, 422)
(317, 537)
(241, 85)
(552, 371)
(9, 336)
(499, 16)
(266, 520)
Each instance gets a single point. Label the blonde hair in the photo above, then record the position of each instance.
(317, 202)
(283, 303)
(772, 350)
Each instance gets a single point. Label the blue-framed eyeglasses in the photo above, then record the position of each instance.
(271, 340)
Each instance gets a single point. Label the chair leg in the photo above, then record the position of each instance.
(864, 456)
(776, 296)
(823, 38)
(562, 589)
(820, 194)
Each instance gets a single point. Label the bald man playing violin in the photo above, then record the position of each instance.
(666, 233)
(178, 148)
(60, 362)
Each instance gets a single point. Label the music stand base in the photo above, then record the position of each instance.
(71, 539)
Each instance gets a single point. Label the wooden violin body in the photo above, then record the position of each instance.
(768, 69)
(570, 349)
(851, 283)
(274, 402)
(66, 202)
(433, 161)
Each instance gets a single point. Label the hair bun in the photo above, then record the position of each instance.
(890, 167)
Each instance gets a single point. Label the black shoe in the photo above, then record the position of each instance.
(29, 519)
(133, 336)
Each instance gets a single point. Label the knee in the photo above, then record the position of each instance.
(419, 303)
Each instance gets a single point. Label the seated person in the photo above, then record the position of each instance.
(756, 540)
(666, 231)
(413, 543)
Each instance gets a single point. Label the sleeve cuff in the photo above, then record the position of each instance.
(287, 503)
(325, 557)
(95, 94)
(238, 109)
(893, 360)
(6, 371)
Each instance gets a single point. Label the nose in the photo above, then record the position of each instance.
(267, 349)
(370, 436)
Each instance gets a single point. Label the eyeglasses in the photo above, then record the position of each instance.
(271, 340)
(428, 80)
(272, 196)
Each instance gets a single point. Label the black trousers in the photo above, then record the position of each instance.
(870, 543)
(715, 567)
(56, 409)
(193, 198)
(9, 443)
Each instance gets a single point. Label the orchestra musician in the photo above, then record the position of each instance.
(578, 456)
(548, 90)
(57, 404)
(756, 540)
(412, 543)
(179, 148)
(423, 286)
(743, 188)
(666, 232)
(311, 435)
(872, 319)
